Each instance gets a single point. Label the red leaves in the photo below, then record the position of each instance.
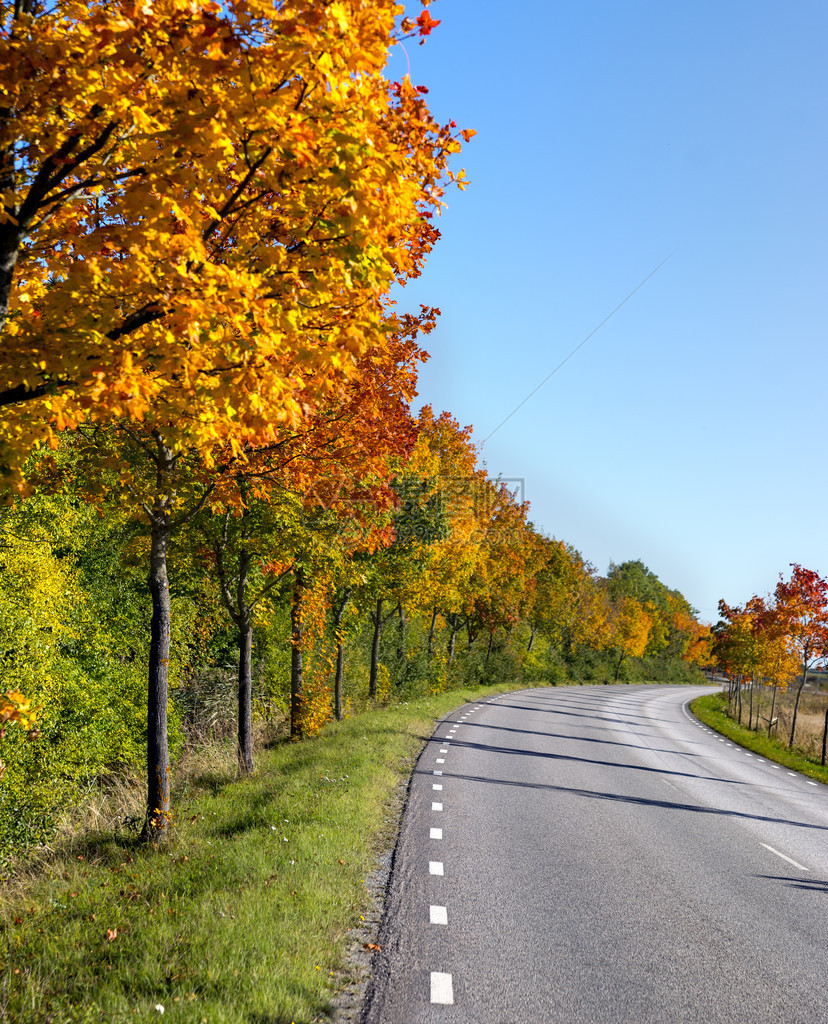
(426, 23)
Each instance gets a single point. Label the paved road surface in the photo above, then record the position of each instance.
(594, 855)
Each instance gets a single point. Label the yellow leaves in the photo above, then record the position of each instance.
(15, 707)
(150, 289)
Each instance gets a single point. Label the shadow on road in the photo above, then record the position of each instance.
(488, 748)
(667, 805)
(809, 884)
(575, 739)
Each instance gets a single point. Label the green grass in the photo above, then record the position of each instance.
(243, 916)
(711, 710)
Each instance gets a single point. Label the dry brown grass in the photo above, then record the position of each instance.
(810, 720)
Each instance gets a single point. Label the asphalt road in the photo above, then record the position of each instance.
(594, 855)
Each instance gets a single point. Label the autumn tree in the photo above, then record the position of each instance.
(629, 631)
(801, 613)
(204, 206)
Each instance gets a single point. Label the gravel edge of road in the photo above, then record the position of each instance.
(353, 999)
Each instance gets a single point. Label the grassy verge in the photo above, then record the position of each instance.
(243, 916)
(711, 710)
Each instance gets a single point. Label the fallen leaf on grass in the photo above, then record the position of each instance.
(111, 934)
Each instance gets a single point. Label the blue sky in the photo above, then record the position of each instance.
(690, 430)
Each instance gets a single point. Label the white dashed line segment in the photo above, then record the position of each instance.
(441, 989)
(436, 807)
(435, 867)
(437, 915)
(790, 860)
(435, 833)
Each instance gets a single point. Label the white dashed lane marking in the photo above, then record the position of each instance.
(441, 989)
(436, 807)
(437, 915)
(790, 860)
(435, 833)
(436, 785)
(435, 867)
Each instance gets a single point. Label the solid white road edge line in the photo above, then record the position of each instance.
(441, 988)
(782, 855)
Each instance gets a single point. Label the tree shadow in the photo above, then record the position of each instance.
(808, 884)
(601, 718)
(487, 748)
(577, 739)
(668, 805)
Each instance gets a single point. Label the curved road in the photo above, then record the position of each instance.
(593, 855)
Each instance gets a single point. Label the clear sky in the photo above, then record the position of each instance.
(690, 430)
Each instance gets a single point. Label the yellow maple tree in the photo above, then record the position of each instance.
(204, 206)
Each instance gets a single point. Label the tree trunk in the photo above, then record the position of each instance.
(340, 654)
(340, 662)
(773, 706)
(296, 729)
(824, 735)
(796, 709)
(245, 723)
(401, 635)
(531, 640)
(430, 644)
(158, 753)
(489, 648)
(750, 705)
(739, 695)
(245, 751)
(376, 618)
(454, 630)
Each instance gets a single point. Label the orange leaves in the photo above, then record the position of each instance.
(425, 23)
(226, 229)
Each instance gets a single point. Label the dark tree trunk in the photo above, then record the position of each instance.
(825, 735)
(796, 708)
(454, 629)
(245, 625)
(246, 695)
(489, 648)
(750, 704)
(340, 654)
(773, 707)
(531, 640)
(296, 655)
(739, 695)
(158, 753)
(401, 635)
(430, 644)
(376, 618)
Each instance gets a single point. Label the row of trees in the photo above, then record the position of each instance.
(774, 639)
(206, 385)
